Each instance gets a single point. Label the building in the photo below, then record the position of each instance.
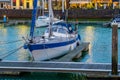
(16, 4)
(22, 4)
(91, 4)
(116, 4)
(5, 4)
(84, 4)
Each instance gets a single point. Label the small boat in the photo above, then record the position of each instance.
(57, 40)
(43, 20)
(116, 20)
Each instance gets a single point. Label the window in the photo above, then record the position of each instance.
(27, 5)
(1, 5)
(14, 2)
(61, 30)
(54, 29)
(21, 2)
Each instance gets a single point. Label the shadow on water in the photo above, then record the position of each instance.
(84, 53)
(46, 76)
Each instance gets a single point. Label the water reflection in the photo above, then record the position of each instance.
(13, 33)
(89, 37)
(100, 43)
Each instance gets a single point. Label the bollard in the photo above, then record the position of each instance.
(115, 49)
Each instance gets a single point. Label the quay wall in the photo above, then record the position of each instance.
(72, 13)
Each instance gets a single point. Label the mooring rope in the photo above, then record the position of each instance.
(8, 42)
(10, 52)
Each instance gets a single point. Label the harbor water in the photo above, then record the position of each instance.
(100, 39)
(100, 47)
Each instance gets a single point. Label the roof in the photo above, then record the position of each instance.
(67, 25)
(80, 1)
(63, 24)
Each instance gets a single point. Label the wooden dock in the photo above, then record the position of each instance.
(90, 69)
(16, 22)
(88, 22)
(61, 65)
(84, 46)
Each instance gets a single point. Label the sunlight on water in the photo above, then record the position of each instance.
(89, 38)
(100, 43)
(13, 33)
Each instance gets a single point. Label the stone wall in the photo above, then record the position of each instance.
(92, 13)
(11, 13)
(73, 13)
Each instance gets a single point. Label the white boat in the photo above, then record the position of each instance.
(116, 20)
(43, 21)
(58, 40)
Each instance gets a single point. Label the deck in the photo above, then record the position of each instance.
(77, 53)
(90, 69)
(16, 22)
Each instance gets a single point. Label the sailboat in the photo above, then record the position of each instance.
(58, 39)
(115, 20)
(43, 20)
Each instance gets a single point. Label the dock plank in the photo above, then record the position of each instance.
(66, 67)
(77, 51)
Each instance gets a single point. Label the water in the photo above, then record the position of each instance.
(100, 39)
(46, 76)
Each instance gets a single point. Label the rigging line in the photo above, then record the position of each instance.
(8, 52)
(5, 42)
(11, 52)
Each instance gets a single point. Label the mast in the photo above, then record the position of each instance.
(51, 18)
(42, 7)
(33, 19)
(63, 6)
(63, 10)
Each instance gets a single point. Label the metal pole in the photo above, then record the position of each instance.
(11, 4)
(119, 4)
(115, 49)
(33, 19)
(51, 17)
(62, 6)
(96, 5)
